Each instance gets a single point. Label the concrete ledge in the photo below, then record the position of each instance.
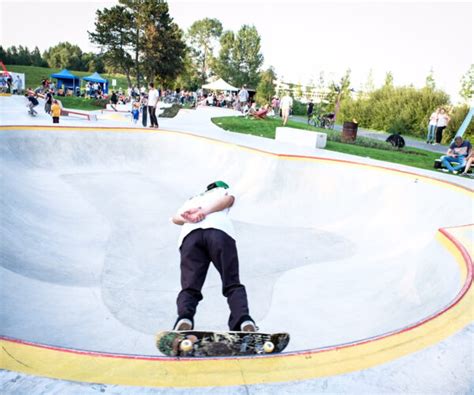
(301, 137)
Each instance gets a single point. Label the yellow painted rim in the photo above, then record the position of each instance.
(75, 365)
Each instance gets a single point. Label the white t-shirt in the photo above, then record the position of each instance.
(218, 220)
(243, 95)
(434, 118)
(442, 120)
(153, 96)
(286, 102)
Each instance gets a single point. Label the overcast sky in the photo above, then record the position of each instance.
(300, 38)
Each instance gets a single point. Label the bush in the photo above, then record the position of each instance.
(299, 108)
(458, 114)
(395, 109)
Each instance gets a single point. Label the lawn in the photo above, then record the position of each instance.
(34, 75)
(365, 147)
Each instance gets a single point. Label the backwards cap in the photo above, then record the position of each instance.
(217, 184)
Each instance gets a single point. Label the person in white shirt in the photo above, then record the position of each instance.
(443, 120)
(153, 97)
(432, 127)
(243, 96)
(285, 105)
(207, 235)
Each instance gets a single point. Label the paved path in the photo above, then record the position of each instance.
(382, 136)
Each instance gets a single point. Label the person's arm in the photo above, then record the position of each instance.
(200, 213)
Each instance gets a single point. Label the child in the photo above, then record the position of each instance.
(135, 112)
(55, 111)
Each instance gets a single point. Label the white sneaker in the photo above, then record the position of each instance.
(183, 325)
(445, 170)
(248, 326)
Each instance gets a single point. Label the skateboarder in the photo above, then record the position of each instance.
(208, 235)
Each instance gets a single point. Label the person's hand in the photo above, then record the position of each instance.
(194, 215)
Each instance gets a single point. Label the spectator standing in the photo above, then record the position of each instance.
(432, 127)
(55, 111)
(153, 97)
(243, 96)
(309, 110)
(135, 111)
(276, 106)
(443, 120)
(18, 85)
(285, 105)
(113, 100)
(48, 101)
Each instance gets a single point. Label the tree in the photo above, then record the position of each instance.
(239, 59)
(64, 56)
(339, 91)
(162, 45)
(430, 81)
(37, 59)
(140, 36)
(467, 84)
(202, 35)
(388, 83)
(266, 86)
(114, 35)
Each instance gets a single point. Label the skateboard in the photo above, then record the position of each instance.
(219, 344)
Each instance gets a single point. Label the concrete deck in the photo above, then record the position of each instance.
(367, 265)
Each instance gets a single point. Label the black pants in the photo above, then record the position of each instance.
(199, 248)
(153, 119)
(439, 133)
(55, 119)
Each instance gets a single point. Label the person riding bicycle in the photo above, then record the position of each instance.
(32, 103)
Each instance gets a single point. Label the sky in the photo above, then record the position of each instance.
(299, 38)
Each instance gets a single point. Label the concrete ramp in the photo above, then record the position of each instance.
(336, 253)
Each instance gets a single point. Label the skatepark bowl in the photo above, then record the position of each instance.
(361, 264)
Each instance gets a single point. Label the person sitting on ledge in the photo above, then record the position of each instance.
(457, 153)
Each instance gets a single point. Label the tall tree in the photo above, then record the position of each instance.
(64, 55)
(340, 91)
(266, 86)
(140, 36)
(240, 59)
(467, 84)
(202, 35)
(430, 81)
(114, 34)
(162, 46)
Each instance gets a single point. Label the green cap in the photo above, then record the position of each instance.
(217, 184)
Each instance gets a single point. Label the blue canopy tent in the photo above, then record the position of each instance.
(66, 80)
(97, 78)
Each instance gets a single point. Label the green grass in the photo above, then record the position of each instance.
(34, 75)
(81, 103)
(365, 147)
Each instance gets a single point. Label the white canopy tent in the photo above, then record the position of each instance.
(219, 85)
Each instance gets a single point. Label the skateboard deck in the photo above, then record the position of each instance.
(215, 344)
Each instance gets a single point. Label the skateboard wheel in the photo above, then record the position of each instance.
(268, 347)
(186, 345)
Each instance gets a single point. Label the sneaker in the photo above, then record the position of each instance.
(248, 326)
(183, 324)
(445, 170)
(455, 172)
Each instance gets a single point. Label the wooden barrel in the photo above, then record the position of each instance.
(349, 132)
